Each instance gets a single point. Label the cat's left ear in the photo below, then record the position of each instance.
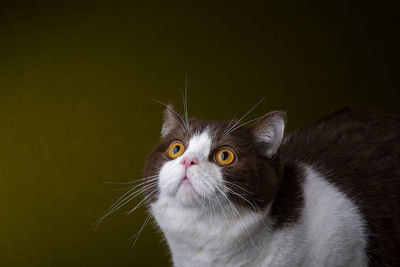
(269, 130)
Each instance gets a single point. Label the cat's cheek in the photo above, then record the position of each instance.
(206, 178)
(170, 175)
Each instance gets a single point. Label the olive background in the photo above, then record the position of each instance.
(77, 79)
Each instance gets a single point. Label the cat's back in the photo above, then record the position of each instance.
(359, 153)
(344, 134)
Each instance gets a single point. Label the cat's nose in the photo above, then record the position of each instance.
(189, 161)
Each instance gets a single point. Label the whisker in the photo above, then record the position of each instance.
(241, 219)
(132, 182)
(247, 113)
(233, 184)
(243, 124)
(185, 102)
(125, 198)
(245, 199)
(132, 196)
(229, 125)
(116, 208)
(228, 200)
(223, 211)
(140, 204)
(133, 186)
(140, 231)
(237, 186)
(181, 120)
(122, 188)
(137, 185)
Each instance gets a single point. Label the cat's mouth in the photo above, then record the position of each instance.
(186, 187)
(185, 182)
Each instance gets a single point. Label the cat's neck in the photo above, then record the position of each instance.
(209, 236)
(289, 199)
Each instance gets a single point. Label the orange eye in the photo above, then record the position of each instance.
(224, 156)
(175, 149)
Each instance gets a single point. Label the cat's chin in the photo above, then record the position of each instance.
(187, 195)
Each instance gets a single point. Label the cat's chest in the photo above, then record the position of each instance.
(197, 240)
(210, 255)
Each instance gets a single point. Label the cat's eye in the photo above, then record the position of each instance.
(224, 156)
(175, 149)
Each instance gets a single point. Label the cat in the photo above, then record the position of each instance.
(229, 194)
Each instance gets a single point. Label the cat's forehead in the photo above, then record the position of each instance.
(217, 133)
(214, 130)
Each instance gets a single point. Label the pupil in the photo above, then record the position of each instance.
(176, 149)
(224, 155)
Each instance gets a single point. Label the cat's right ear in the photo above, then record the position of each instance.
(269, 130)
(172, 119)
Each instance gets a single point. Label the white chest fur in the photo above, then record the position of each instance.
(330, 232)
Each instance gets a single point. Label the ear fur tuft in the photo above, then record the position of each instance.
(269, 129)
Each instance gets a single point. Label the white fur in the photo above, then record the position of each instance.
(330, 231)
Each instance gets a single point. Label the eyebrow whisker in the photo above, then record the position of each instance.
(247, 113)
(181, 120)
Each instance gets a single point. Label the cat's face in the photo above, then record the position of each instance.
(208, 164)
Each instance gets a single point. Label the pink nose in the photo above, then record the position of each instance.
(189, 161)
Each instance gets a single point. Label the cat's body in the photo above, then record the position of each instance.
(327, 195)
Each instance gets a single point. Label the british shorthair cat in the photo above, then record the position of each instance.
(231, 194)
(226, 194)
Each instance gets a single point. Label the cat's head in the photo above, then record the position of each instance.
(201, 163)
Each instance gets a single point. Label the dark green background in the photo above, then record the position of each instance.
(75, 84)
